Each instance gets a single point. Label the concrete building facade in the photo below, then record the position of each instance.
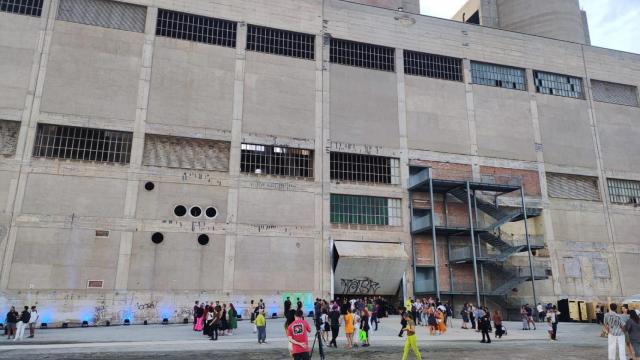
(155, 152)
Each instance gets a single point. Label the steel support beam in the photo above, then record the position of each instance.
(473, 244)
(433, 235)
(526, 235)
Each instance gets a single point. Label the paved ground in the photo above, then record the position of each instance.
(159, 342)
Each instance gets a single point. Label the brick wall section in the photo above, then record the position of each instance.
(445, 170)
(8, 137)
(186, 153)
(504, 175)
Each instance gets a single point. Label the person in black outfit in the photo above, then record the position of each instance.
(364, 325)
(299, 305)
(12, 320)
(317, 311)
(403, 322)
(334, 320)
(287, 305)
(195, 313)
(484, 324)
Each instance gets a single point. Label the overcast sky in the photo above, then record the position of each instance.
(614, 24)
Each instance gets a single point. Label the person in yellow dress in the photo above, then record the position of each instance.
(411, 341)
(349, 328)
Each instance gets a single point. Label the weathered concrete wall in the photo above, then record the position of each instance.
(18, 42)
(436, 113)
(560, 116)
(279, 96)
(556, 19)
(361, 99)
(63, 258)
(619, 134)
(93, 72)
(191, 86)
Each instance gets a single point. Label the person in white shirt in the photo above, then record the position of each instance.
(33, 321)
(541, 314)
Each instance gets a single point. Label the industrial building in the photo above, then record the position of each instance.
(157, 152)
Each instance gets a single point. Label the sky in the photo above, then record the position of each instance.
(614, 24)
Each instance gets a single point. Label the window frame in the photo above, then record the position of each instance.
(502, 81)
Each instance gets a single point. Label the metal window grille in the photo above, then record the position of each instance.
(276, 160)
(8, 137)
(365, 168)
(365, 210)
(22, 7)
(432, 66)
(178, 25)
(186, 153)
(351, 53)
(624, 191)
(498, 76)
(281, 42)
(559, 85)
(614, 93)
(75, 143)
(104, 13)
(567, 186)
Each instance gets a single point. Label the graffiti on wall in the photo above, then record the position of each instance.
(362, 286)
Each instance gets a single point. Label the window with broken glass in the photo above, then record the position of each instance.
(276, 160)
(365, 168)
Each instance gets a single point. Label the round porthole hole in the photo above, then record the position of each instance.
(195, 211)
(149, 186)
(180, 210)
(211, 212)
(203, 239)
(157, 238)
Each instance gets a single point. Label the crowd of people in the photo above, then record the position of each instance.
(17, 323)
(214, 319)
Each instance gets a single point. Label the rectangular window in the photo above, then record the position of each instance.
(499, 76)
(178, 25)
(75, 143)
(566, 186)
(22, 7)
(186, 153)
(104, 13)
(281, 42)
(624, 191)
(276, 160)
(9, 131)
(559, 85)
(365, 168)
(351, 53)
(432, 66)
(365, 210)
(614, 93)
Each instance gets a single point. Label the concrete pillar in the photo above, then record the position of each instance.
(234, 160)
(617, 285)
(137, 148)
(29, 123)
(322, 246)
(542, 178)
(404, 164)
(471, 118)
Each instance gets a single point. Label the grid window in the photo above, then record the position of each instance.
(276, 160)
(365, 210)
(498, 76)
(433, 66)
(75, 143)
(22, 7)
(568, 186)
(108, 14)
(281, 42)
(365, 168)
(178, 25)
(614, 93)
(367, 56)
(560, 85)
(624, 191)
